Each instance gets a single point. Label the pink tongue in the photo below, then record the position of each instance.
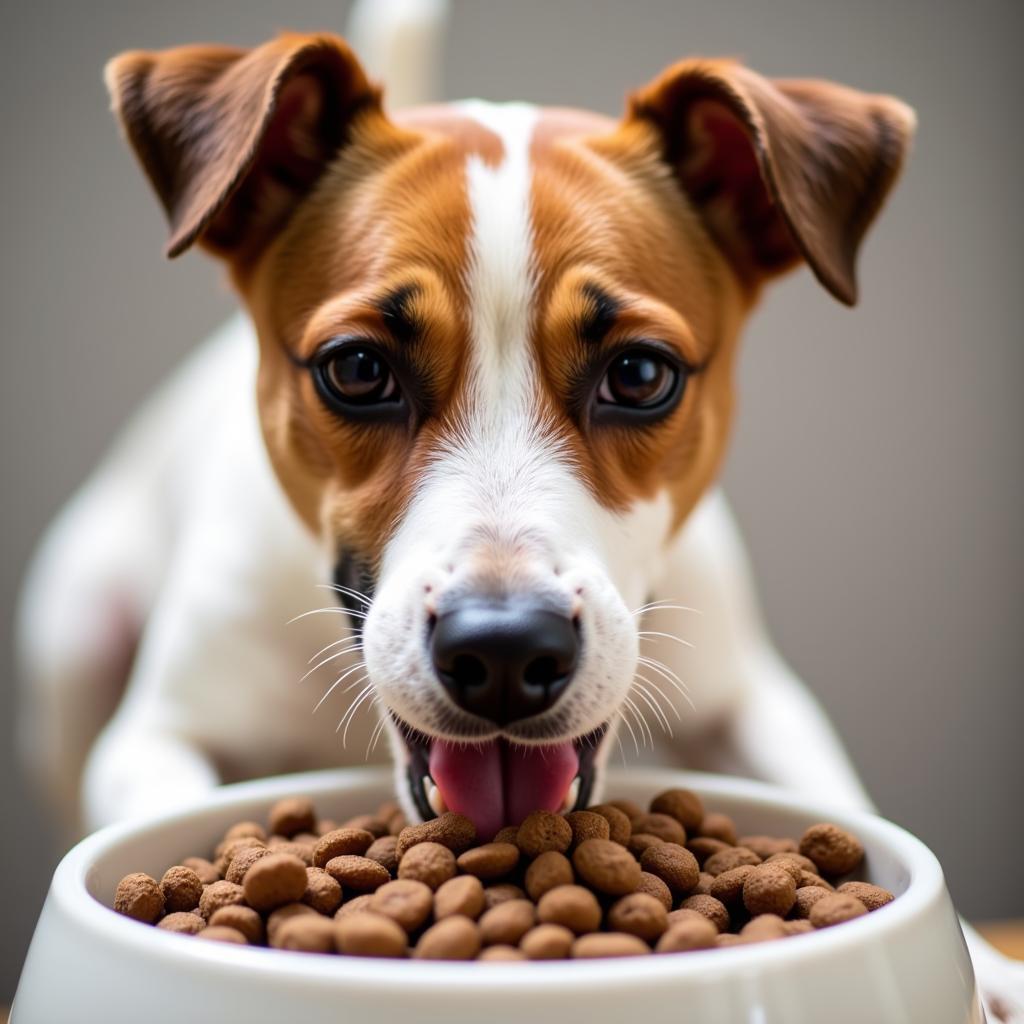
(494, 784)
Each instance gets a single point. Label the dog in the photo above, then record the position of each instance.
(481, 394)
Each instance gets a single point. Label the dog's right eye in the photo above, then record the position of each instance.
(353, 378)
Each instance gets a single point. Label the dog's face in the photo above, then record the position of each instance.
(496, 357)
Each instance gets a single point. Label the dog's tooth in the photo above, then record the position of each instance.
(572, 795)
(434, 798)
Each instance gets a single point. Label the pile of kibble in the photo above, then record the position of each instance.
(613, 880)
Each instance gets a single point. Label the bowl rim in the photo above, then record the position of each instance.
(69, 890)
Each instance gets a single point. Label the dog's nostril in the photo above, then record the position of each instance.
(468, 670)
(541, 671)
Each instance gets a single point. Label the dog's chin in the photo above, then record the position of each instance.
(498, 781)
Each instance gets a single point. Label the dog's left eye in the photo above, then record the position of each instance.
(354, 377)
(639, 378)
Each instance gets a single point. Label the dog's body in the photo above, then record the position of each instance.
(493, 388)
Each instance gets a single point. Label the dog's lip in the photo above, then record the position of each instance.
(419, 744)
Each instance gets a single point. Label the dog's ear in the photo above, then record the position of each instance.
(230, 138)
(778, 170)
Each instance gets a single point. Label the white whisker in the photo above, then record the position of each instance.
(334, 643)
(646, 633)
(663, 721)
(339, 589)
(333, 657)
(337, 682)
(327, 611)
(671, 703)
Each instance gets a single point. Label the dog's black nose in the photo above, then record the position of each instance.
(504, 660)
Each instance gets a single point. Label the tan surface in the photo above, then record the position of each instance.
(1006, 936)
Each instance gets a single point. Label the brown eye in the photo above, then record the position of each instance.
(354, 377)
(639, 379)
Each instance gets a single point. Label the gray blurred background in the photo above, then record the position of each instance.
(876, 468)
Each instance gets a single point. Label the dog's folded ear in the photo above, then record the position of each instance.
(230, 138)
(778, 170)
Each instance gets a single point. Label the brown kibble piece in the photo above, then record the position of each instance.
(369, 934)
(832, 849)
(807, 878)
(703, 886)
(495, 894)
(490, 861)
(640, 841)
(397, 824)
(572, 906)
(377, 827)
(507, 923)
(628, 807)
(587, 825)
(707, 906)
(769, 890)
(804, 863)
(654, 886)
(228, 849)
(608, 944)
(550, 869)
(687, 935)
(506, 835)
(463, 895)
(385, 852)
(244, 829)
(767, 846)
(207, 873)
(356, 905)
(407, 902)
(220, 933)
(619, 828)
(728, 939)
(703, 847)
(182, 888)
(454, 831)
(454, 938)
(719, 826)
(682, 804)
(304, 851)
(139, 897)
(728, 886)
(726, 860)
(789, 863)
(359, 873)
(242, 861)
(638, 914)
(835, 908)
(274, 880)
(542, 831)
(547, 942)
(183, 922)
(674, 865)
(501, 954)
(664, 826)
(323, 893)
(805, 899)
(340, 842)
(608, 867)
(799, 926)
(872, 896)
(242, 919)
(217, 895)
(310, 934)
(291, 815)
(430, 863)
(763, 928)
(277, 918)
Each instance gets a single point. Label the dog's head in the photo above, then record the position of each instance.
(497, 349)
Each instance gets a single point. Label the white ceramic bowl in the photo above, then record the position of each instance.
(906, 962)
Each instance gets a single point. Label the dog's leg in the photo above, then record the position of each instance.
(752, 715)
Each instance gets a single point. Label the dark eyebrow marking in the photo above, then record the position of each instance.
(394, 310)
(600, 316)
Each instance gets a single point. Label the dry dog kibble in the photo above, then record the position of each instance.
(340, 842)
(607, 867)
(547, 942)
(638, 914)
(274, 880)
(182, 888)
(611, 880)
(490, 861)
(835, 908)
(572, 906)
(872, 896)
(369, 934)
(507, 923)
(292, 815)
(242, 919)
(674, 865)
(543, 831)
(461, 895)
(682, 804)
(140, 897)
(547, 871)
(686, 935)
(406, 902)
(833, 850)
(430, 863)
(454, 938)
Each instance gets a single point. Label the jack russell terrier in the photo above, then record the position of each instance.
(482, 394)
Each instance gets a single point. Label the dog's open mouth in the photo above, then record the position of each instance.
(498, 782)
